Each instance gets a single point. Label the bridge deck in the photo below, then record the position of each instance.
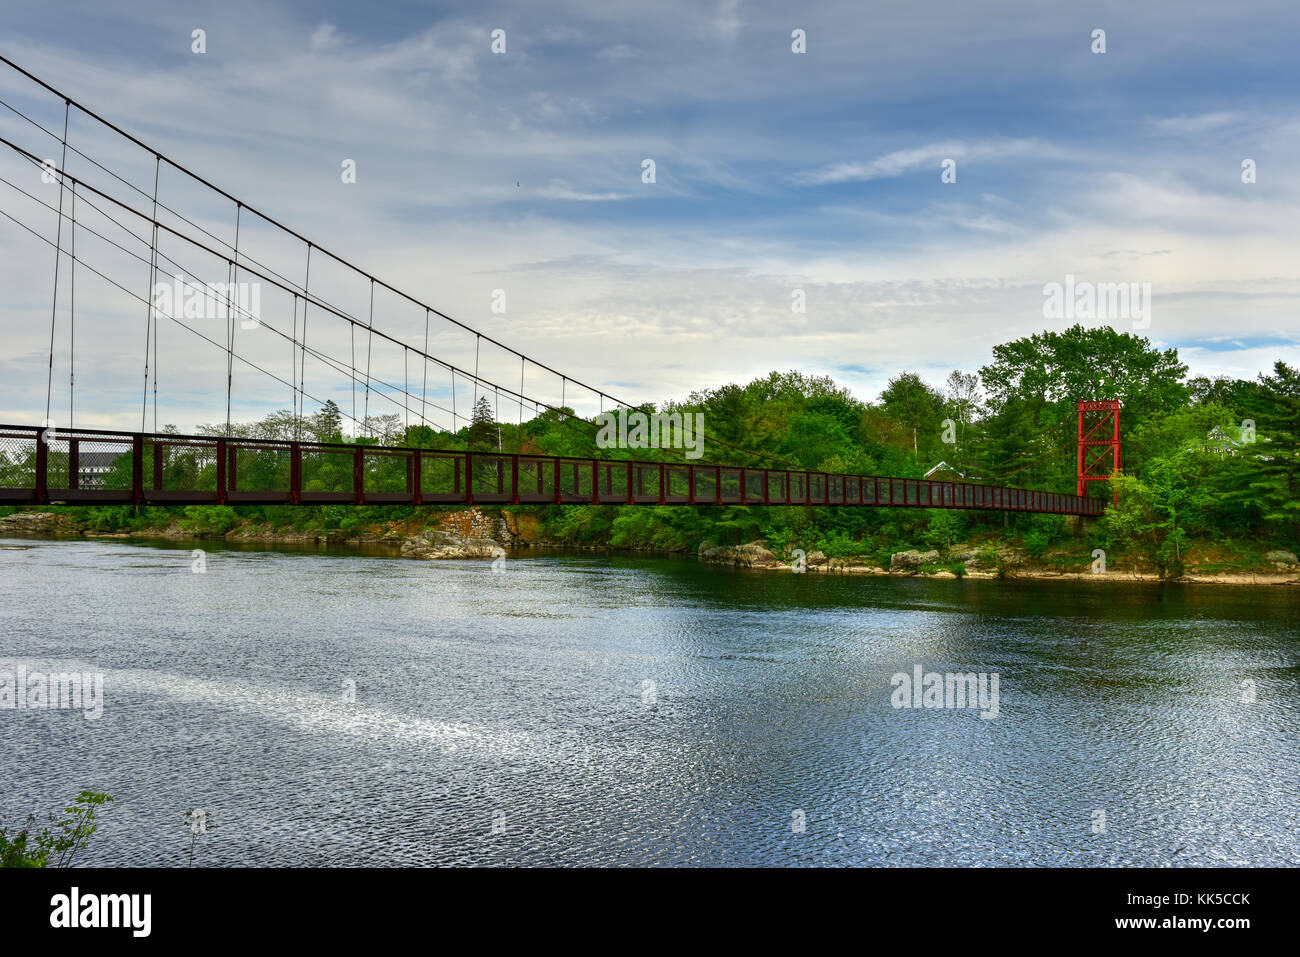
(91, 466)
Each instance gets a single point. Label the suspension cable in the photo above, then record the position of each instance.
(54, 304)
(149, 306)
(72, 315)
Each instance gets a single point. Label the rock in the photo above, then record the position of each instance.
(817, 558)
(434, 543)
(753, 555)
(975, 559)
(36, 523)
(907, 563)
(1282, 559)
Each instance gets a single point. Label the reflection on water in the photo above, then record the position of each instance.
(644, 711)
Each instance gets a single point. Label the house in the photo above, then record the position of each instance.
(92, 466)
(943, 472)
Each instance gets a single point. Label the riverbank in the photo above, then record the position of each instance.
(486, 534)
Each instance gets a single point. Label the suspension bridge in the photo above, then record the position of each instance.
(99, 219)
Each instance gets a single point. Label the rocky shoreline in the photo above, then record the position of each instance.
(475, 534)
(980, 562)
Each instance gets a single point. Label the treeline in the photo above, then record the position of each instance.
(1204, 461)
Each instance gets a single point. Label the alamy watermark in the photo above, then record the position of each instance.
(213, 300)
(946, 690)
(25, 690)
(1102, 300)
(657, 430)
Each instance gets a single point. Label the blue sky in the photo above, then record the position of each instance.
(775, 171)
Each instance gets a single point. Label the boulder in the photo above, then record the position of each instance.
(907, 563)
(434, 544)
(752, 555)
(36, 523)
(975, 559)
(1282, 559)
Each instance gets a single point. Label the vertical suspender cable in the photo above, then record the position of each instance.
(424, 390)
(293, 362)
(302, 366)
(230, 288)
(477, 340)
(72, 315)
(153, 270)
(370, 338)
(58, 252)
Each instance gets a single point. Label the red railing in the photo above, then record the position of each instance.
(92, 466)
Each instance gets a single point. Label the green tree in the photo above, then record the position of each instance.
(913, 403)
(1035, 383)
(1276, 484)
(482, 432)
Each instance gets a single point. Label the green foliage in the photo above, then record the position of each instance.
(1275, 486)
(57, 843)
(946, 526)
(1044, 531)
(1191, 470)
(209, 520)
(482, 432)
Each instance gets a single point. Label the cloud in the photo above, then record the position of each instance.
(689, 286)
(563, 191)
(1198, 123)
(899, 162)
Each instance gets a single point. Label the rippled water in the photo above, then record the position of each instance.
(629, 711)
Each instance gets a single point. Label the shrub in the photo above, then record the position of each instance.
(56, 845)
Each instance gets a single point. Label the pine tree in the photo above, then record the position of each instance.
(327, 424)
(1277, 423)
(482, 432)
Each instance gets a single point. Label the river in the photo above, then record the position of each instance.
(594, 709)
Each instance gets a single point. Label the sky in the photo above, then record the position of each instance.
(518, 178)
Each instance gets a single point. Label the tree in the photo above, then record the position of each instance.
(963, 394)
(327, 424)
(482, 432)
(913, 403)
(1035, 383)
(1276, 487)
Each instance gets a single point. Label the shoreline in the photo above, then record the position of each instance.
(473, 534)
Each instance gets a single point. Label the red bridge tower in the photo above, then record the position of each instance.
(1098, 429)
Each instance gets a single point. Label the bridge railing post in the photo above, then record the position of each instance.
(469, 478)
(415, 474)
(42, 469)
(222, 497)
(514, 480)
(359, 475)
(295, 473)
(137, 469)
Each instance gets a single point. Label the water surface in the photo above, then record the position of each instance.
(644, 711)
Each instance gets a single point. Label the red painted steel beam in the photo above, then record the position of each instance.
(915, 493)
